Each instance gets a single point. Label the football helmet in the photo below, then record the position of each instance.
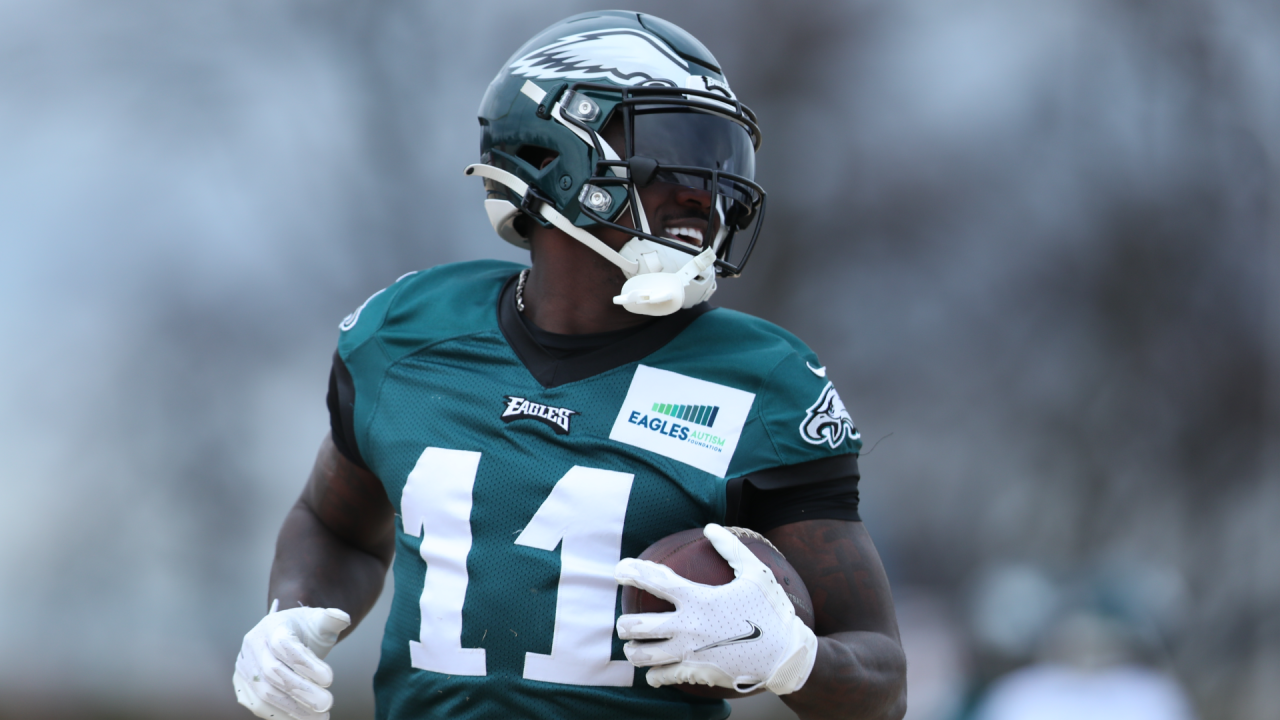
(662, 99)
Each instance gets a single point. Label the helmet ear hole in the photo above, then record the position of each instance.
(537, 156)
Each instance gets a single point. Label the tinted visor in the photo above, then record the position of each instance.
(694, 139)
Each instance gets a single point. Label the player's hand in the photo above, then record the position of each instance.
(741, 635)
(280, 672)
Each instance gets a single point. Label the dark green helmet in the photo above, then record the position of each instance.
(544, 159)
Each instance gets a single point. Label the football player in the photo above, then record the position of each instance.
(511, 438)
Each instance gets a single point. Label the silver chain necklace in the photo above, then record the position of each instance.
(524, 275)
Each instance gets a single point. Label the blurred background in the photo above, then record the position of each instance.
(1035, 243)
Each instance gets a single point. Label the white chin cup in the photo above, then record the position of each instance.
(668, 279)
(652, 294)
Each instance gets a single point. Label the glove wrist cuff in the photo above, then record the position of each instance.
(795, 670)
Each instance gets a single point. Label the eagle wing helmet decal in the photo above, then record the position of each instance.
(827, 420)
(627, 57)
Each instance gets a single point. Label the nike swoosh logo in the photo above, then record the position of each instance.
(820, 371)
(755, 634)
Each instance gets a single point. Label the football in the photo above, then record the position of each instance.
(692, 556)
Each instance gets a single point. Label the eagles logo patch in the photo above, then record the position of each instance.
(556, 418)
(827, 420)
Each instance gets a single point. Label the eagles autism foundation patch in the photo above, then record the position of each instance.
(686, 419)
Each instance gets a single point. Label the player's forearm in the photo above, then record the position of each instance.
(858, 675)
(860, 670)
(316, 568)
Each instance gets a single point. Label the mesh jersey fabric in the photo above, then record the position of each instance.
(521, 538)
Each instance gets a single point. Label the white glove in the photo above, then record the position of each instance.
(279, 672)
(741, 635)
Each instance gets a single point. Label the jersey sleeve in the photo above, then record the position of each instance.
(802, 451)
(803, 414)
(358, 363)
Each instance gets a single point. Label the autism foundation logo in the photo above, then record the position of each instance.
(704, 415)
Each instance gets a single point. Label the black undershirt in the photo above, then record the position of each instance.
(562, 347)
(825, 489)
(580, 361)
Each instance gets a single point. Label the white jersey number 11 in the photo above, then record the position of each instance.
(436, 506)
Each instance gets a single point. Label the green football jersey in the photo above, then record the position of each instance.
(520, 480)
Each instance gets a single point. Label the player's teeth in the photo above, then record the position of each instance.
(690, 233)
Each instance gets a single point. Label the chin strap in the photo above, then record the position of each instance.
(553, 216)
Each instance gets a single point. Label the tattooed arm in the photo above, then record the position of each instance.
(337, 541)
(860, 671)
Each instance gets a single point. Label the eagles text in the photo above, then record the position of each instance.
(557, 418)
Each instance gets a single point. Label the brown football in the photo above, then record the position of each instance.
(692, 556)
